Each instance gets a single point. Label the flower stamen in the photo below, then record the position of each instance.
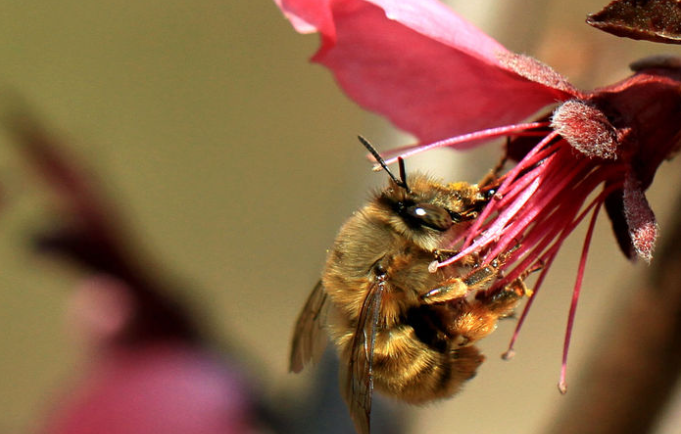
(562, 384)
(469, 139)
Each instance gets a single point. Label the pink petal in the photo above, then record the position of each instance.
(101, 308)
(421, 65)
(539, 72)
(308, 16)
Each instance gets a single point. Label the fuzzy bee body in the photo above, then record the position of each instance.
(398, 327)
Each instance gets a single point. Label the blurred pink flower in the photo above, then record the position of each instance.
(169, 388)
(438, 77)
(150, 369)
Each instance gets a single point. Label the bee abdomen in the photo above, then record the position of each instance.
(407, 369)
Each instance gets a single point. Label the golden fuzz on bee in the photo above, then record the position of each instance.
(398, 327)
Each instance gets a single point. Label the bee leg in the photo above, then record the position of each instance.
(474, 320)
(451, 289)
(458, 287)
(537, 266)
(504, 302)
(482, 276)
(489, 183)
(468, 261)
(443, 254)
(464, 364)
(489, 180)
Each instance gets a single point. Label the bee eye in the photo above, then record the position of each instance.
(425, 214)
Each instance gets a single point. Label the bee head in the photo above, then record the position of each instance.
(425, 209)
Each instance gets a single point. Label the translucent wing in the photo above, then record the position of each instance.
(309, 337)
(356, 380)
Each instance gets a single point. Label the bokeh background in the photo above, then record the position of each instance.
(234, 161)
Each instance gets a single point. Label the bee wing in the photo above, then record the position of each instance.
(309, 337)
(356, 381)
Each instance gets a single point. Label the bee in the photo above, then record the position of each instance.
(398, 327)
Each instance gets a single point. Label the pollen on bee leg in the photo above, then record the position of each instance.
(433, 266)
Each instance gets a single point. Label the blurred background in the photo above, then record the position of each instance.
(233, 161)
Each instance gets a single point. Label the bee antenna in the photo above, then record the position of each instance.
(403, 173)
(402, 182)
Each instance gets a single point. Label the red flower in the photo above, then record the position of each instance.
(438, 77)
(416, 62)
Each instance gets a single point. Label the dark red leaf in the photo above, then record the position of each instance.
(650, 20)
